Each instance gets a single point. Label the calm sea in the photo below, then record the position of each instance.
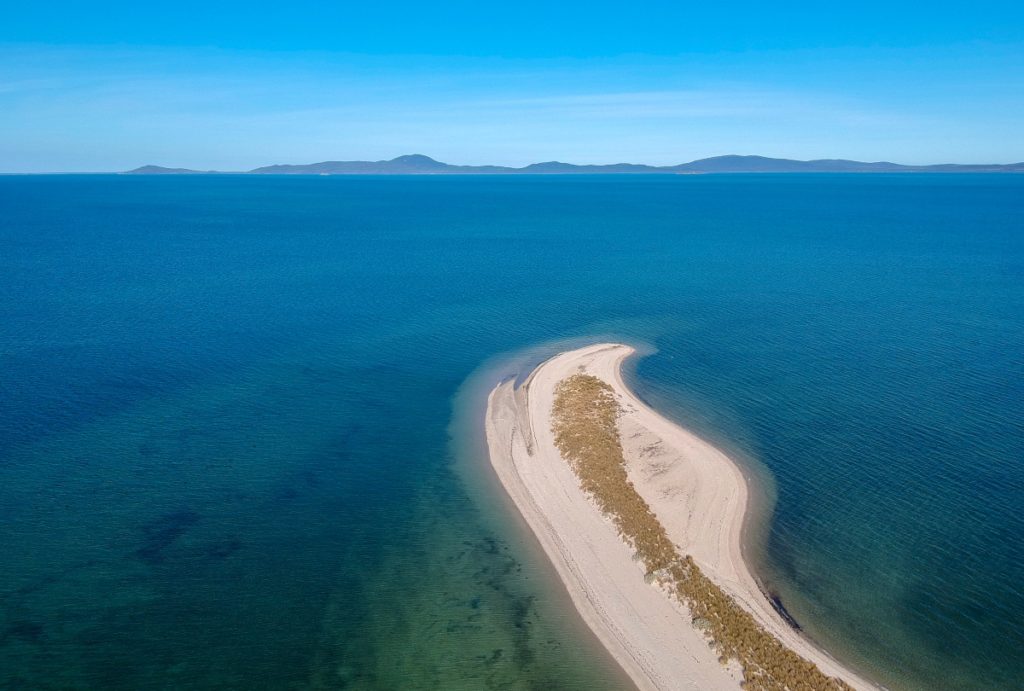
(228, 456)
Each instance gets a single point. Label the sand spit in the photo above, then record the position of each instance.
(696, 492)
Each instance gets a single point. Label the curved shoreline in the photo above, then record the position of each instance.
(696, 492)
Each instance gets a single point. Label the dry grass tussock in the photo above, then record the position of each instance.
(585, 423)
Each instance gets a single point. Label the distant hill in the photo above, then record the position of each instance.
(418, 164)
(760, 164)
(559, 168)
(413, 164)
(160, 170)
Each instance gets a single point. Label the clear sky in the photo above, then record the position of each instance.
(88, 86)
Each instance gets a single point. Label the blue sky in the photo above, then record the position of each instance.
(234, 85)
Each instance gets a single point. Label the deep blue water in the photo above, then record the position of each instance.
(225, 458)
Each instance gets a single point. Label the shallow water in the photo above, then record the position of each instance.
(225, 402)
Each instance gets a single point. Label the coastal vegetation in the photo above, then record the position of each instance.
(585, 424)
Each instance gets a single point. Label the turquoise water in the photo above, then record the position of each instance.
(228, 456)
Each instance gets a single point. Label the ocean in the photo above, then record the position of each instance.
(238, 416)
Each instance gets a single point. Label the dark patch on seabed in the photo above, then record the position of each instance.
(783, 612)
(23, 630)
(223, 549)
(161, 533)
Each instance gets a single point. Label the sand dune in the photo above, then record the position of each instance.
(697, 493)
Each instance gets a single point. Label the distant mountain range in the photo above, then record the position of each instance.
(418, 164)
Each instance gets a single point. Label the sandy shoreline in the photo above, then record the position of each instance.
(698, 494)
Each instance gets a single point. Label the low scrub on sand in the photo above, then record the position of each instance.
(585, 423)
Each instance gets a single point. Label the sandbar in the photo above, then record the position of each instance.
(697, 493)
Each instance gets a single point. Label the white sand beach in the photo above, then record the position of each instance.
(698, 494)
